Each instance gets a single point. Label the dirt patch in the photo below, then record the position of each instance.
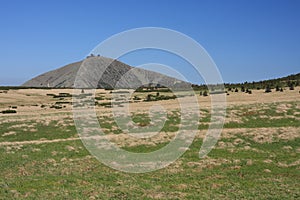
(208, 162)
(284, 164)
(36, 142)
(259, 135)
(9, 133)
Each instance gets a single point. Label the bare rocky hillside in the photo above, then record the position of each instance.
(93, 74)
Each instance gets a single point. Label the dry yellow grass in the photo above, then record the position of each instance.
(29, 101)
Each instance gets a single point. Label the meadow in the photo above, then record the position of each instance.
(256, 157)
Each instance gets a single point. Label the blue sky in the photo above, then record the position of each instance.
(248, 40)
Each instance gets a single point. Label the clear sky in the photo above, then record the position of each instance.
(248, 40)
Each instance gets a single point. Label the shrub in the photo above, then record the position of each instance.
(61, 95)
(56, 106)
(105, 104)
(63, 102)
(162, 97)
(136, 98)
(268, 89)
(151, 97)
(99, 98)
(205, 94)
(243, 89)
(148, 97)
(8, 111)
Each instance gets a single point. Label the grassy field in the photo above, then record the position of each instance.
(257, 156)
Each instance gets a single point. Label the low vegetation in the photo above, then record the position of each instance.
(257, 156)
(8, 111)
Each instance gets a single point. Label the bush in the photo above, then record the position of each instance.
(56, 106)
(63, 102)
(268, 89)
(105, 104)
(151, 97)
(205, 94)
(243, 89)
(61, 95)
(162, 97)
(8, 111)
(148, 97)
(136, 98)
(99, 98)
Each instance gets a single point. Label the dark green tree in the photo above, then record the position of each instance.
(148, 97)
(243, 89)
(268, 89)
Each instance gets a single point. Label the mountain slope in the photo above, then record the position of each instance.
(117, 75)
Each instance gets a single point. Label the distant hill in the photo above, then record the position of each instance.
(117, 74)
(287, 81)
(291, 80)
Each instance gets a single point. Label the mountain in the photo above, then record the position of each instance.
(116, 75)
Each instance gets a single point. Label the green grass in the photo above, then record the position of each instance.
(264, 123)
(73, 174)
(254, 116)
(65, 170)
(50, 131)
